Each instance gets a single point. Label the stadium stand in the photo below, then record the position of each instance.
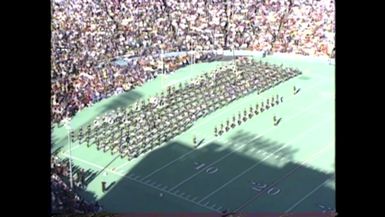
(88, 36)
(87, 33)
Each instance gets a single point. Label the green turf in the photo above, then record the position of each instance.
(297, 155)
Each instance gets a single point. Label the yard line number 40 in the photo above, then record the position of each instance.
(209, 170)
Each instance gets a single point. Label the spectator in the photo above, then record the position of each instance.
(88, 34)
(63, 198)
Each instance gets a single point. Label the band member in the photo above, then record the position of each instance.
(233, 122)
(244, 115)
(72, 134)
(221, 130)
(250, 112)
(295, 90)
(272, 101)
(277, 121)
(227, 125)
(80, 137)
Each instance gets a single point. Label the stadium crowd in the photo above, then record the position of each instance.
(63, 198)
(87, 35)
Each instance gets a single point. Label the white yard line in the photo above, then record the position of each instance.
(312, 157)
(73, 148)
(143, 183)
(307, 195)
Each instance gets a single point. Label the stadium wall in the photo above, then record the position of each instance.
(124, 59)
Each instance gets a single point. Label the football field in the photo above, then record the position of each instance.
(257, 167)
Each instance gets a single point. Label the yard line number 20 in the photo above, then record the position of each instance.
(272, 191)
